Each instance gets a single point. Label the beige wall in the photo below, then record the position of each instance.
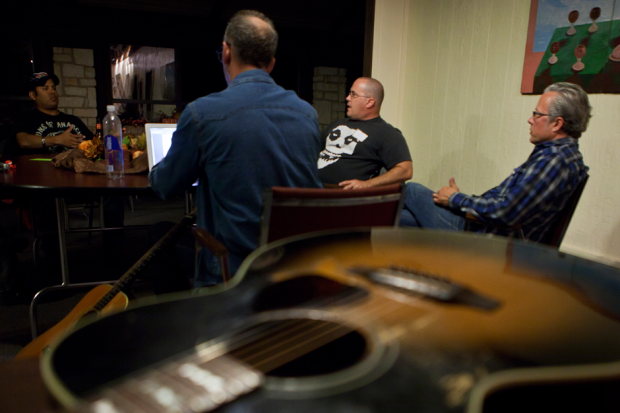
(452, 72)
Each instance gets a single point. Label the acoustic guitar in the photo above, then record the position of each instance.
(104, 299)
(380, 320)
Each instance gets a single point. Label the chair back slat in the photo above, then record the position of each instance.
(294, 211)
(556, 233)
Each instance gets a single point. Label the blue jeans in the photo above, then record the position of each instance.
(420, 210)
(172, 268)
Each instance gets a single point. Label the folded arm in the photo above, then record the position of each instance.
(66, 139)
(401, 172)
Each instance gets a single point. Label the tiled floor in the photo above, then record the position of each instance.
(86, 263)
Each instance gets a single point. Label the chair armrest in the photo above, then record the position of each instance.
(332, 186)
(471, 218)
(209, 242)
(218, 249)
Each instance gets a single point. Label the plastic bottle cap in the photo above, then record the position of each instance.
(111, 108)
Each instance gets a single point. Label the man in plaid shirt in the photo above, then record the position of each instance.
(535, 192)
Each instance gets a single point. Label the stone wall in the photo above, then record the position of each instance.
(329, 94)
(76, 90)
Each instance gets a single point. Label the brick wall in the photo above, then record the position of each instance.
(329, 94)
(76, 90)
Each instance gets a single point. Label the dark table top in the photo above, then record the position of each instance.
(41, 178)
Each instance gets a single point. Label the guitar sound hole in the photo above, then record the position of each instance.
(340, 354)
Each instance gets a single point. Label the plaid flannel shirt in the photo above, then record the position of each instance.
(533, 194)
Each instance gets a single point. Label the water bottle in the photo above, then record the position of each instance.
(113, 139)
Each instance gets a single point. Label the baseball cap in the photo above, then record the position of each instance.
(39, 79)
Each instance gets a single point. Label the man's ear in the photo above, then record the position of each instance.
(371, 103)
(558, 124)
(32, 95)
(271, 65)
(226, 53)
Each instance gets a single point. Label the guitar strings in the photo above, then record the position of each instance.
(250, 350)
(284, 327)
(235, 339)
(214, 348)
(286, 340)
(302, 347)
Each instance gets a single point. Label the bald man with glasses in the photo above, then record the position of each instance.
(358, 147)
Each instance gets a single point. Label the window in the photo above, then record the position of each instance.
(143, 81)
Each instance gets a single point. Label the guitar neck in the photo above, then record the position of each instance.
(141, 264)
(219, 372)
(189, 384)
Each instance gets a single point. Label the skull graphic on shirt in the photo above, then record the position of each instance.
(341, 140)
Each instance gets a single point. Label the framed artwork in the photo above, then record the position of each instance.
(575, 41)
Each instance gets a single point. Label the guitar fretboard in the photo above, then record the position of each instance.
(186, 385)
(219, 372)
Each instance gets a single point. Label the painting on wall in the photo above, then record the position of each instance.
(575, 41)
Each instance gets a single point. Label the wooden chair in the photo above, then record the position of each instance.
(293, 211)
(558, 228)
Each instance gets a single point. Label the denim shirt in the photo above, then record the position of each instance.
(237, 143)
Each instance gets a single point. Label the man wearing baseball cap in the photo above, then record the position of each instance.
(45, 129)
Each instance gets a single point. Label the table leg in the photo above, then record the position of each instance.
(60, 216)
(188, 202)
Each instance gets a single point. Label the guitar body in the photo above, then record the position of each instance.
(86, 304)
(331, 325)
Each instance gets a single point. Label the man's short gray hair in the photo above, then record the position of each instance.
(252, 44)
(572, 105)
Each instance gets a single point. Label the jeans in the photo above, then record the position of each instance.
(173, 267)
(420, 210)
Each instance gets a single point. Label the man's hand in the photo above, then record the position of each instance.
(354, 184)
(67, 139)
(443, 195)
(399, 173)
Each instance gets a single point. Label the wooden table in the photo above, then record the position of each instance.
(36, 177)
(39, 178)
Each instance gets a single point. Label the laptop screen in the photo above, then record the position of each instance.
(158, 140)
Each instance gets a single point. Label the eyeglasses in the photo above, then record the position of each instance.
(355, 95)
(539, 114)
(218, 53)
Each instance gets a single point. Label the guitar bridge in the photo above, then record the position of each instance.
(427, 285)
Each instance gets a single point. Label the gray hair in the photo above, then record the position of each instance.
(252, 44)
(571, 104)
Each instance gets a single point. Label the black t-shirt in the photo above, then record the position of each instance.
(41, 124)
(358, 149)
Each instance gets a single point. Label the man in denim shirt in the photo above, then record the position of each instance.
(536, 191)
(239, 142)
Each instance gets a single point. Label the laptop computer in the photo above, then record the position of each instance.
(158, 141)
